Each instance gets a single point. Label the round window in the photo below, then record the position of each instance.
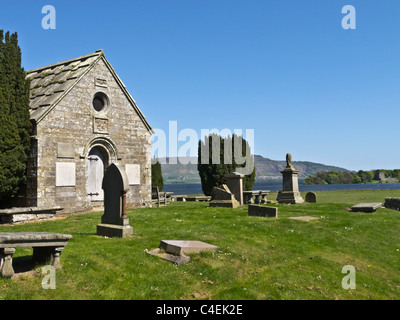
(100, 101)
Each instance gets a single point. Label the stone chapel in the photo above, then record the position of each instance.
(84, 119)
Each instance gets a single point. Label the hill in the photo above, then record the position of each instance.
(266, 169)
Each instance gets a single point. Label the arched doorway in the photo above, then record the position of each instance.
(97, 163)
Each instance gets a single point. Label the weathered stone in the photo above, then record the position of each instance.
(366, 207)
(179, 247)
(65, 174)
(133, 174)
(179, 197)
(304, 218)
(311, 197)
(197, 198)
(65, 150)
(68, 129)
(221, 193)
(224, 203)
(263, 195)
(6, 257)
(175, 250)
(234, 181)
(19, 239)
(222, 197)
(255, 196)
(114, 231)
(28, 214)
(178, 260)
(47, 248)
(289, 197)
(249, 197)
(262, 211)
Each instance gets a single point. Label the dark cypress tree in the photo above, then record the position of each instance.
(156, 175)
(247, 165)
(15, 126)
(212, 173)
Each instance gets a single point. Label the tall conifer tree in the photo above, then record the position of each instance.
(15, 126)
(156, 176)
(211, 172)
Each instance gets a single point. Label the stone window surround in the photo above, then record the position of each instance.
(107, 103)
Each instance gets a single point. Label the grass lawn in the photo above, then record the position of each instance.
(259, 258)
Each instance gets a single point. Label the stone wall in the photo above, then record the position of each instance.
(66, 134)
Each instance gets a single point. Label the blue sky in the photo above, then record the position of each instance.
(285, 68)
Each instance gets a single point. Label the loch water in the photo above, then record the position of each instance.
(275, 186)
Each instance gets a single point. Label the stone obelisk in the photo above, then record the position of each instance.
(290, 193)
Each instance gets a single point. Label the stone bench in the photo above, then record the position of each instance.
(180, 197)
(47, 248)
(28, 214)
(255, 196)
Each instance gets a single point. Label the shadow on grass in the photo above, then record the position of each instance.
(23, 264)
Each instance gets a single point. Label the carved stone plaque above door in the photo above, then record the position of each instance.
(100, 125)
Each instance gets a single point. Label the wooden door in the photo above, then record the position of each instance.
(95, 175)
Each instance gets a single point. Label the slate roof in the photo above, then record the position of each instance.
(51, 83)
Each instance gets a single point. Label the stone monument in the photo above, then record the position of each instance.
(114, 222)
(290, 193)
(222, 197)
(234, 181)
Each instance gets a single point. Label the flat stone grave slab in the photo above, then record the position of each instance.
(262, 211)
(179, 247)
(175, 250)
(304, 218)
(169, 257)
(198, 198)
(366, 207)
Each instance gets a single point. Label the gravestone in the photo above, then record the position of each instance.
(222, 197)
(114, 222)
(311, 197)
(262, 211)
(290, 193)
(234, 181)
